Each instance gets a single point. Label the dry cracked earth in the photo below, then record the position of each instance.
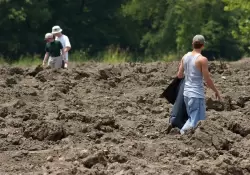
(100, 119)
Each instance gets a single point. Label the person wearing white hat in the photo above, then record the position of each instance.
(57, 32)
(54, 51)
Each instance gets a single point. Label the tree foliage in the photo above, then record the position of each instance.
(241, 10)
(172, 24)
(146, 27)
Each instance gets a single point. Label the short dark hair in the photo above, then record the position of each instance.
(197, 45)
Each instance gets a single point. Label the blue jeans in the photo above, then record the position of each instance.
(196, 111)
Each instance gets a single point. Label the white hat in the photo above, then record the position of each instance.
(56, 29)
(48, 35)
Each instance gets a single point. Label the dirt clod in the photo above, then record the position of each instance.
(44, 131)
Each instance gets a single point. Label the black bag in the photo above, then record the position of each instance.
(171, 92)
(178, 115)
(174, 94)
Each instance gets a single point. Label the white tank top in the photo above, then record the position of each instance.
(193, 77)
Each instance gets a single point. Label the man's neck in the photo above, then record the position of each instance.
(196, 50)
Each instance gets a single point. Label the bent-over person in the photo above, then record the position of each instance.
(53, 51)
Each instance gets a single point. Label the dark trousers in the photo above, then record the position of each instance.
(174, 94)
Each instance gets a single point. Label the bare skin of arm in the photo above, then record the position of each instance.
(204, 69)
(63, 53)
(180, 73)
(66, 49)
(46, 56)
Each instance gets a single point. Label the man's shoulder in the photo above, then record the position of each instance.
(202, 59)
(186, 54)
(65, 36)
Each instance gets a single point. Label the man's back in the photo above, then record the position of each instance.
(195, 67)
(193, 76)
(64, 40)
(65, 43)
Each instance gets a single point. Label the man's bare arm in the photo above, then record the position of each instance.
(63, 53)
(46, 56)
(180, 73)
(206, 74)
(66, 49)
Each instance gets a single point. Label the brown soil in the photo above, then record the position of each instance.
(98, 119)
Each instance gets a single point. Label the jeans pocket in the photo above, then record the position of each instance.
(193, 104)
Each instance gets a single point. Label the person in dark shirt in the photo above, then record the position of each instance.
(53, 51)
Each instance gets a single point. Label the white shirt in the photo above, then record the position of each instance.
(65, 43)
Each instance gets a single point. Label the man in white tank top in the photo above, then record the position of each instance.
(195, 67)
(57, 32)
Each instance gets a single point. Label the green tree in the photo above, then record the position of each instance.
(240, 10)
(21, 26)
(144, 26)
(170, 25)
